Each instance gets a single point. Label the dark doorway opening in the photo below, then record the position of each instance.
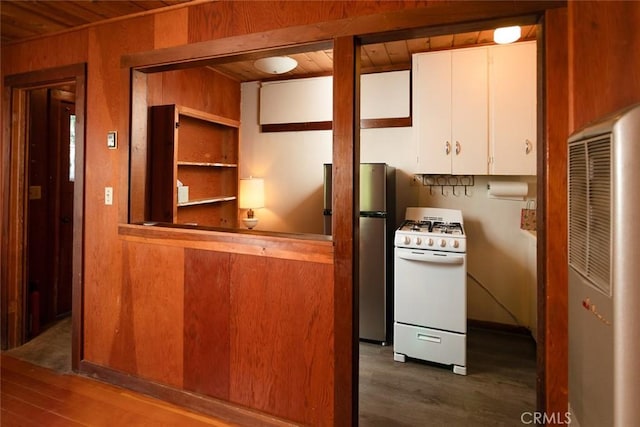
(42, 215)
(51, 176)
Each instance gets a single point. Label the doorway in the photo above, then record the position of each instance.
(43, 213)
(51, 175)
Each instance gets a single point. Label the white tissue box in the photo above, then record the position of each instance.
(183, 194)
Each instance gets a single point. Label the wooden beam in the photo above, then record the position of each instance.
(346, 167)
(552, 394)
(292, 39)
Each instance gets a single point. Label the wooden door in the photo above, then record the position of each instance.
(62, 112)
(50, 212)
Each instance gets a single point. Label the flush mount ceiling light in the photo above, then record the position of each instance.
(506, 35)
(276, 64)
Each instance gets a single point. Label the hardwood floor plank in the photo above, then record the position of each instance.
(41, 416)
(9, 418)
(28, 394)
(39, 395)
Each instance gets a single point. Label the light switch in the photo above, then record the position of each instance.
(108, 195)
(112, 139)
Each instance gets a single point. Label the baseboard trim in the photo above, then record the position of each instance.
(222, 410)
(502, 327)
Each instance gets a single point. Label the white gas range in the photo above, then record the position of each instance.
(430, 288)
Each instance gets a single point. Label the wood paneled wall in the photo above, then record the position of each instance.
(199, 88)
(591, 70)
(238, 317)
(604, 61)
(603, 76)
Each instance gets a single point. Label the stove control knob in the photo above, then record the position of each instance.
(406, 240)
(455, 244)
(430, 242)
(418, 241)
(443, 243)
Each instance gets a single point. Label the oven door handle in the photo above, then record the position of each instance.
(433, 258)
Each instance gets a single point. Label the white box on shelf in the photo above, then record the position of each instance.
(183, 193)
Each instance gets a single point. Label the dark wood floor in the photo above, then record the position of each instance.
(498, 388)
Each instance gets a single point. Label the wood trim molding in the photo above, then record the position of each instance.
(296, 127)
(554, 115)
(394, 122)
(14, 206)
(309, 248)
(495, 326)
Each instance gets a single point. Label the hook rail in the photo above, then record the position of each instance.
(457, 183)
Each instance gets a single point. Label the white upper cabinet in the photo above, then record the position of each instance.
(512, 109)
(450, 107)
(296, 101)
(383, 95)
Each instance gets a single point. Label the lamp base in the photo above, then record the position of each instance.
(250, 222)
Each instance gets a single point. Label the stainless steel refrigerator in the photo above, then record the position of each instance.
(377, 226)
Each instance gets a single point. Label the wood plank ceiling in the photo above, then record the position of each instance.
(23, 20)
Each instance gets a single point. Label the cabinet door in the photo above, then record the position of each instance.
(432, 111)
(513, 109)
(469, 121)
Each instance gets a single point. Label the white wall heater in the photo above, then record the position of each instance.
(604, 271)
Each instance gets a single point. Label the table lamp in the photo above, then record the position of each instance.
(251, 197)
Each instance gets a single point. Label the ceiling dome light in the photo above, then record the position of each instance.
(276, 64)
(506, 35)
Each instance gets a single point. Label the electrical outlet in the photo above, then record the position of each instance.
(108, 195)
(416, 181)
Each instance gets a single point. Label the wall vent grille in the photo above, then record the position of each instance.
(590, 210)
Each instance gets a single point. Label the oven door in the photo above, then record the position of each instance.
(431, 289)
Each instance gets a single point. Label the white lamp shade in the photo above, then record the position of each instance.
(276, 64)
(251, 193)
(506, 35)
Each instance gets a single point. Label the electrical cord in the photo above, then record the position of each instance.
(515, 319)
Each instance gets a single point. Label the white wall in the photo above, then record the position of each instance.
(291, 164)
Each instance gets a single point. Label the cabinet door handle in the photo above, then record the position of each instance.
(447, 148)
(458, 148)
(528, 146)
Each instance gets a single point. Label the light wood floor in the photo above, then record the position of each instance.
(498, 388)
(35, 396)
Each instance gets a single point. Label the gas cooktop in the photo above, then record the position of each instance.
(429, 227)
(432, 229)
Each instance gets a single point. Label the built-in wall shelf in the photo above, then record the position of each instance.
(207, 164)
(198, 152)
(207, 201)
